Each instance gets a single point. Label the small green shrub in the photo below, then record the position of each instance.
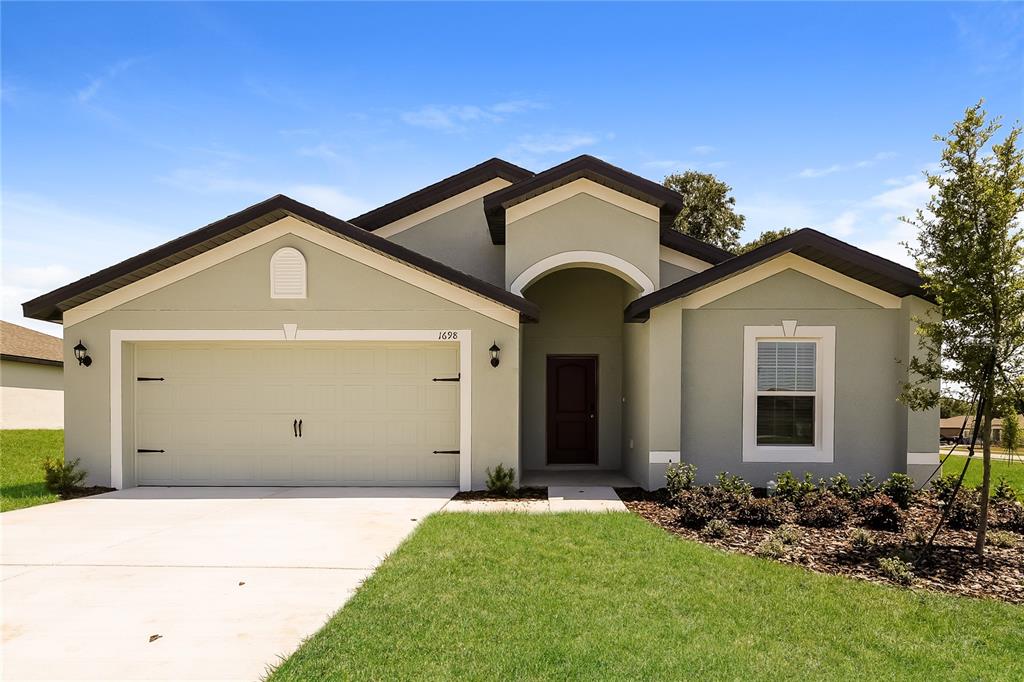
(716, 528)
(789, 487)
(839, 485)
(964, 510)
(861, 539)
(733, 484)
(918, 536)
(769, 512)
(881, 513)
(896, 570)
(679, 477)
(900, 488)
(943, 486)
(1003, 491)
(502, 481)
(62, 477)
(1009, 515)
(865, 487)
(698, 507)
(771, 548)
(787, 534)
(1000, 538)
(824, 510)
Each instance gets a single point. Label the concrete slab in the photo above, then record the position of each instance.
(584, 498)
(231, 579)
(526, 506)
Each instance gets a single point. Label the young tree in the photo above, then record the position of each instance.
(708, 209)
(1012, 438)
(764, 238)
(971, 254)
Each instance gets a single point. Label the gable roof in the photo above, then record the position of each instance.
(684, 243)
(439, 191)
(22, 344)
(666, 200)
(51, 306)
(815, 246)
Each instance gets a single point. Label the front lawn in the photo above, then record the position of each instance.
(1012, 471)
(610, 596)
(22, 452)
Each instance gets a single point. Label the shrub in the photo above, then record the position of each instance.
(1003, 491)
(918, 536)
(679, 477)
(770, 512)
(697, 507)
(62, 477)
(787, 534)
(861, 539)
(770, 548)
(881, 513)
(502, 481)
(943, 487)
(733, 484)
(1000, 538)
(865, 487)
(896, 570)
(789, 487)
(716, 528)
(1009, 515)
(839, 485)
(824, 510)
(964, 510)
(900, 488)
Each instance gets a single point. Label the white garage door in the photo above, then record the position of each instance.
(297, 414)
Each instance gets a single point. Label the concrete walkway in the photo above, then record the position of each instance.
(188, 583)
(560, 499)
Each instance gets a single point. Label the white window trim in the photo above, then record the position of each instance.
(291, 332)
(286, 250)
(823, 449)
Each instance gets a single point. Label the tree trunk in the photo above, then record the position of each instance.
(986, 479)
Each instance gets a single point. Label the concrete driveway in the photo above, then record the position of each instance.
(224, 581)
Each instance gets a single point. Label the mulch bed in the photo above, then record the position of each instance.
(521, 495)
(86, 492)
(952, 566)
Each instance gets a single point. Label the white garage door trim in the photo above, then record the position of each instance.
(291, 332)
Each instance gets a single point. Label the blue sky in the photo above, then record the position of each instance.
(125, 125)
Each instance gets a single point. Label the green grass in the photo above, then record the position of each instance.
(22, 452)
(1013, 472)
(610, 596)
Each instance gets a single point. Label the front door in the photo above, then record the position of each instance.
(572, 409)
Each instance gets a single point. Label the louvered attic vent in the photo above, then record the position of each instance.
(287, 274)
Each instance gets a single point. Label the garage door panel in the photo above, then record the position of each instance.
(371, 413)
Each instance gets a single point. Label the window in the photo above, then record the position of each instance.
(788, 393)
(287, 274)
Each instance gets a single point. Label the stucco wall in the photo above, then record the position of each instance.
(582, 223)
(31, 396)
(343, 294)
(868, 430)
(670, 273)
(636, 401)
(459, 238)
(581, 315)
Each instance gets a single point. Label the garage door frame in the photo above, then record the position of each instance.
(291, 332)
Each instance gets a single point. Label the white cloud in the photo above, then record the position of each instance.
(553, 143)
(516, 106)
(457, 117)
(328, 199)
(320, 151)
(843, 225)
(839, 167)
(86, 94)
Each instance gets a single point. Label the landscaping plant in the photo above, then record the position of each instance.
(880, 512)
(502, 481)
(733, 484)
(716, 528)
(824, 510)
(896, 570)
(900, 488)
(679, 477)
(62, 477)
(769, 512)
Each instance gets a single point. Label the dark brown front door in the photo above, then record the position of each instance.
(572, 409)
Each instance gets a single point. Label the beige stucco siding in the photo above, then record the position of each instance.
(636, 401)
(868, 430)
(582, 223)
(581, 315)
(671, 273)
(342, 294)
(31, 395)
(459, 238)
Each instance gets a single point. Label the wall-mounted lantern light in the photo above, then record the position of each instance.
(494, 354)
(80, 354)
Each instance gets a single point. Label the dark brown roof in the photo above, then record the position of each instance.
(684, 243)
(51, 306)
(807, 243)
(439, 191)
(27, 345)
(668, 201)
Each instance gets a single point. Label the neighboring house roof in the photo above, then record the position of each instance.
(957, 422)
(666, 200)
(815, 246)
(22, 344)
(51, 306)
(439, 191)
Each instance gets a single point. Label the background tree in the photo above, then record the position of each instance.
(971, 254)
(1012, 439)
(950, 406)
(709, 211)
(762, 239)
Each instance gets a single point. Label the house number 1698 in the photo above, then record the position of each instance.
(447, 336)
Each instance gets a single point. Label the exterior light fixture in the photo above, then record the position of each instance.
(80, 354)
(494, 354)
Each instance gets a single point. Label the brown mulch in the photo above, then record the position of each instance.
(86, 492)
(521, 495)
(951, 567)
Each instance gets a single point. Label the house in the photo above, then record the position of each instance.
(950, 427)
(31, 379)
(552, 321)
